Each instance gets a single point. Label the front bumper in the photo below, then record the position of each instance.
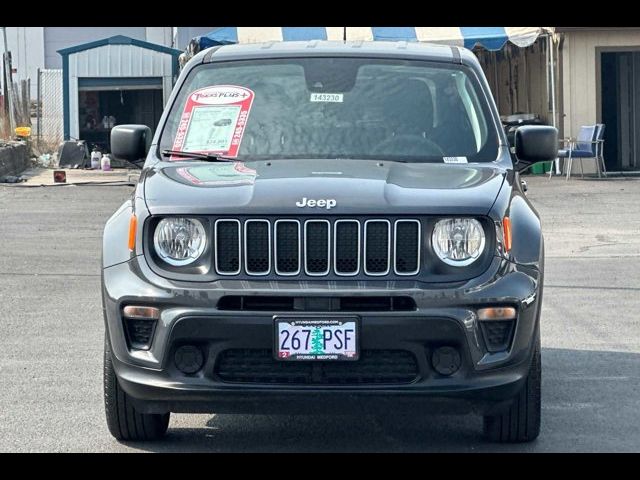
(485, 383)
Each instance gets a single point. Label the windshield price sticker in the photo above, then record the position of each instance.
(327, 97)
(213, 120)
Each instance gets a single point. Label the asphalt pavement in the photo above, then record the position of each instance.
(51, 334)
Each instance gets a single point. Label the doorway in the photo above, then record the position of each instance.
(101, 109)
(620, 103)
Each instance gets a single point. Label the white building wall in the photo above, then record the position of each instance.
(160, 35)
(112, 61)
(26, 45)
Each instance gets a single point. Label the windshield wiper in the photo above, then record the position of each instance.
(205, 157)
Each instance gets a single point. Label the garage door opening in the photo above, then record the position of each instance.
(101, 107)
(620, 107)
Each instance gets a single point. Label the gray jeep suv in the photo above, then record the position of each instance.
(326, 227)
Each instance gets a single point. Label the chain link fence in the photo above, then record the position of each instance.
(49, 124)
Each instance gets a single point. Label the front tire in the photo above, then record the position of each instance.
(124, 421)
(521, 423)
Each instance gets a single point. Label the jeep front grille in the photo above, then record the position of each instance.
(377, 247)
(346, 247)
(257, 247)
(407, 258)
(317, 247)
(227, 256)
(287, 247)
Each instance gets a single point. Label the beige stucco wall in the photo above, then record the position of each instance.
(580, 74)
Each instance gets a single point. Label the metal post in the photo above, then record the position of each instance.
(9, 82)
(551, 47)
(494, 56)
(24, 103)
(39, 109)
(525, 74)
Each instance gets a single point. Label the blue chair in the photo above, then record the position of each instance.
(585, 146)
(600, 147)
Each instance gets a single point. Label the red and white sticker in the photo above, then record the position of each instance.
(214, 119)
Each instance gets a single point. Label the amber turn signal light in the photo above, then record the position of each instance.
(497, 313)
(133, 227)
(506, 228)
(150, 313)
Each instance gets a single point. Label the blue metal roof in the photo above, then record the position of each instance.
(118, 40)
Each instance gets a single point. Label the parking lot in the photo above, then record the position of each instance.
(51, 334)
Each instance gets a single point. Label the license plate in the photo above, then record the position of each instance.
(316, 338)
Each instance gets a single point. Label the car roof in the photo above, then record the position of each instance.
(380, 49)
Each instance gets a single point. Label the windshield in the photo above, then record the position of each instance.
(327, 108)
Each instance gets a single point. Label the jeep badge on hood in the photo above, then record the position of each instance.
(328, 203)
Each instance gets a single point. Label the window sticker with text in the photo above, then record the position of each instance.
(214, 119)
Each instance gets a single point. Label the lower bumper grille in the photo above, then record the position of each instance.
(325, 304)
(140, 332)
(497, 334)
(373, 367)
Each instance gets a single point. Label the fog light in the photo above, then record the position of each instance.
(188, 359)
(497, 325)
(446, 360)
(141, 324)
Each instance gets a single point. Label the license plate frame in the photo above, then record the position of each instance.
(301, 321)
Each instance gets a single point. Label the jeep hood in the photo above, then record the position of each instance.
(357, 186)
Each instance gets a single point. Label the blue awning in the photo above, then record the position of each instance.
(491, 38)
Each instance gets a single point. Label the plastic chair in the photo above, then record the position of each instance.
(600, 147)
(585, 146)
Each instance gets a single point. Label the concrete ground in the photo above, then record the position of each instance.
(51, 336)
(44, 176)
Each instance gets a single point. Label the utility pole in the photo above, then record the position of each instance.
(8, 82)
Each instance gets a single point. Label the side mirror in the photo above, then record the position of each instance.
(535, 143)
(130, 142)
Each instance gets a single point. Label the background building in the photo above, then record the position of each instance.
(112, 81)
(593, 72)
(37, 47)
(600, 80)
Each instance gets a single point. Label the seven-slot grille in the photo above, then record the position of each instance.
(317, 247)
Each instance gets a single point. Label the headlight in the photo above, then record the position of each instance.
(458, 241)
(180, 241)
